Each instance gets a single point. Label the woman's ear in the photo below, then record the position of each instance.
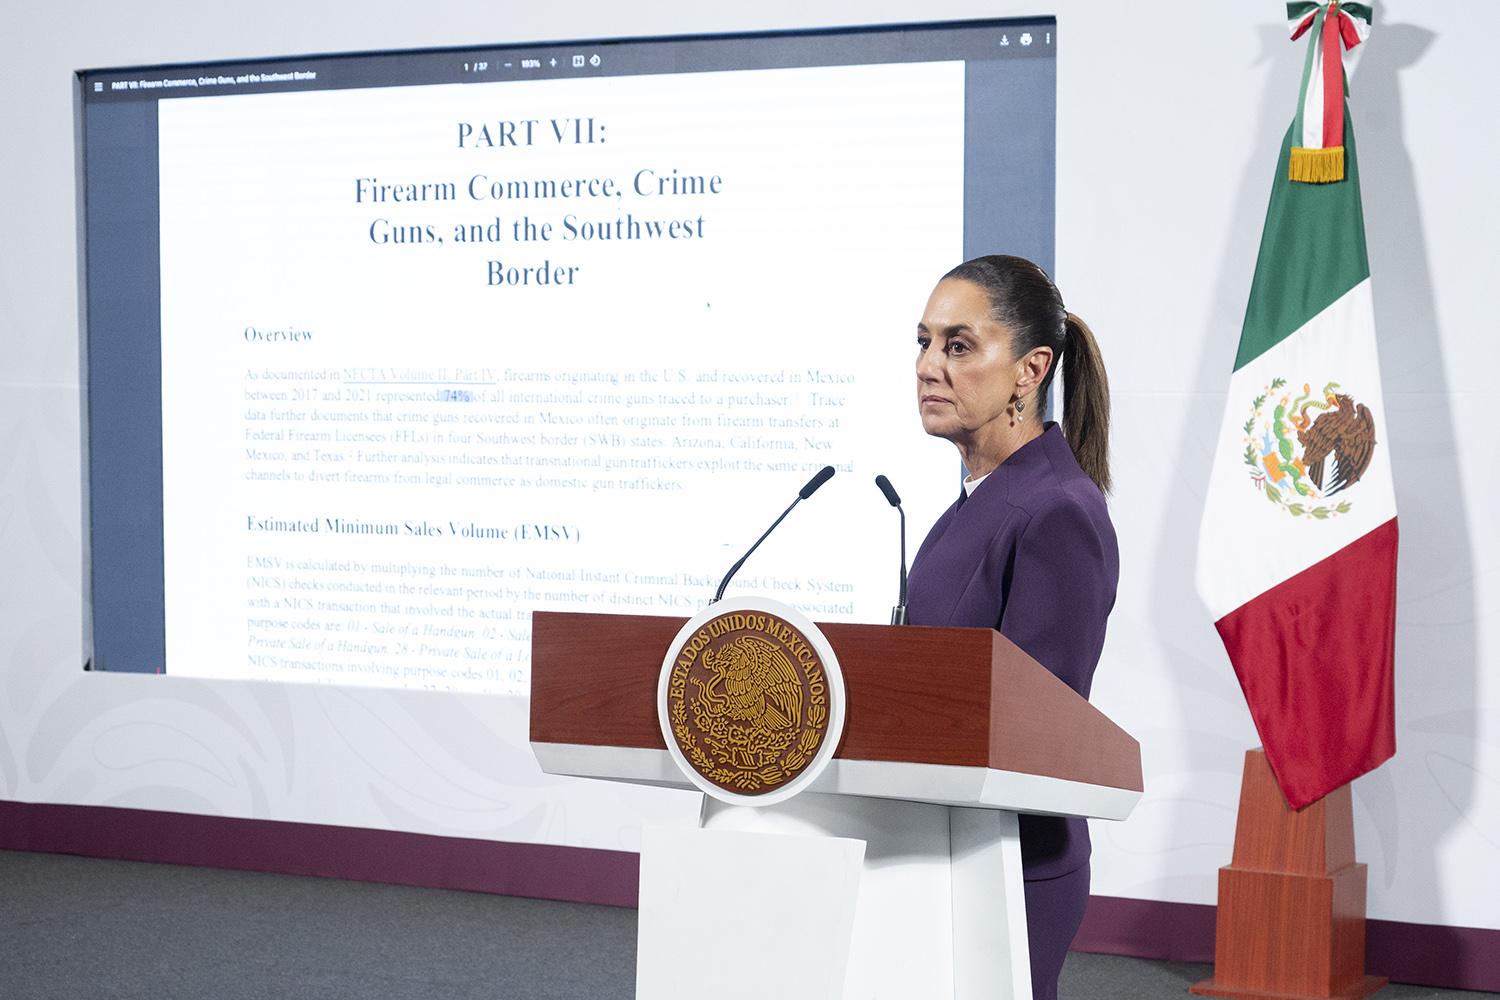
(1033, 369)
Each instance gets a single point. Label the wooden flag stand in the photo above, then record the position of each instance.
(1291, 919)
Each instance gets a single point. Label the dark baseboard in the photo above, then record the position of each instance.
(543, 871)
(1146, 928)
(1428, 954)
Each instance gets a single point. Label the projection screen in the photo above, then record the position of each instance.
(385, 351)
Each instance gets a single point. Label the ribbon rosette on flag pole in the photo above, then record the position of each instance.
(1319, 125)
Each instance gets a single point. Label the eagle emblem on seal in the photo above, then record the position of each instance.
(1302, 451)
(753, 683)
(747, 702)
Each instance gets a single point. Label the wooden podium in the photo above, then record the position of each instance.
(949, 734)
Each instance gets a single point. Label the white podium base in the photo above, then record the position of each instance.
(834, 897)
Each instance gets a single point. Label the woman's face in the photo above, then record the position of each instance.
(966, 377)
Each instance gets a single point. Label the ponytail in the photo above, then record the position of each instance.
(1086, 401)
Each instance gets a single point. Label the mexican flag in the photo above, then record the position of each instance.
(1297, 549)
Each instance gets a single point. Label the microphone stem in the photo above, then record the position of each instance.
(736, 567)
(898, 613)
(903, 561)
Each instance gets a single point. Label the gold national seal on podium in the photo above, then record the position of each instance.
(751, 701)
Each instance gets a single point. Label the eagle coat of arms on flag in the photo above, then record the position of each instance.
(1303, 451)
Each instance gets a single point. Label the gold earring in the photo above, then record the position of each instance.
(1020, 405)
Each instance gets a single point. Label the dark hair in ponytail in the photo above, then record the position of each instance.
(1024, 299)
(1086, 401)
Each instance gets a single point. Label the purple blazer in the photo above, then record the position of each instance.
(1033, 554)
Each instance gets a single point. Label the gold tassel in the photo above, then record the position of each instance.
(1317, 166)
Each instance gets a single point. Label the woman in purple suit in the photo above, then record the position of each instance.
(1028, 547)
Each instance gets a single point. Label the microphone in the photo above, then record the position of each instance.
(825, 474)
(898, 613)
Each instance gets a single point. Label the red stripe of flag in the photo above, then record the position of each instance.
(1315, 656)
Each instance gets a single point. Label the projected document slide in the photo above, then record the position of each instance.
(436, 357)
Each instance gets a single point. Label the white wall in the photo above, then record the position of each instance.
(1169, 116)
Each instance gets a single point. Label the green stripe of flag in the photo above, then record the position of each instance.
(1311, 252)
